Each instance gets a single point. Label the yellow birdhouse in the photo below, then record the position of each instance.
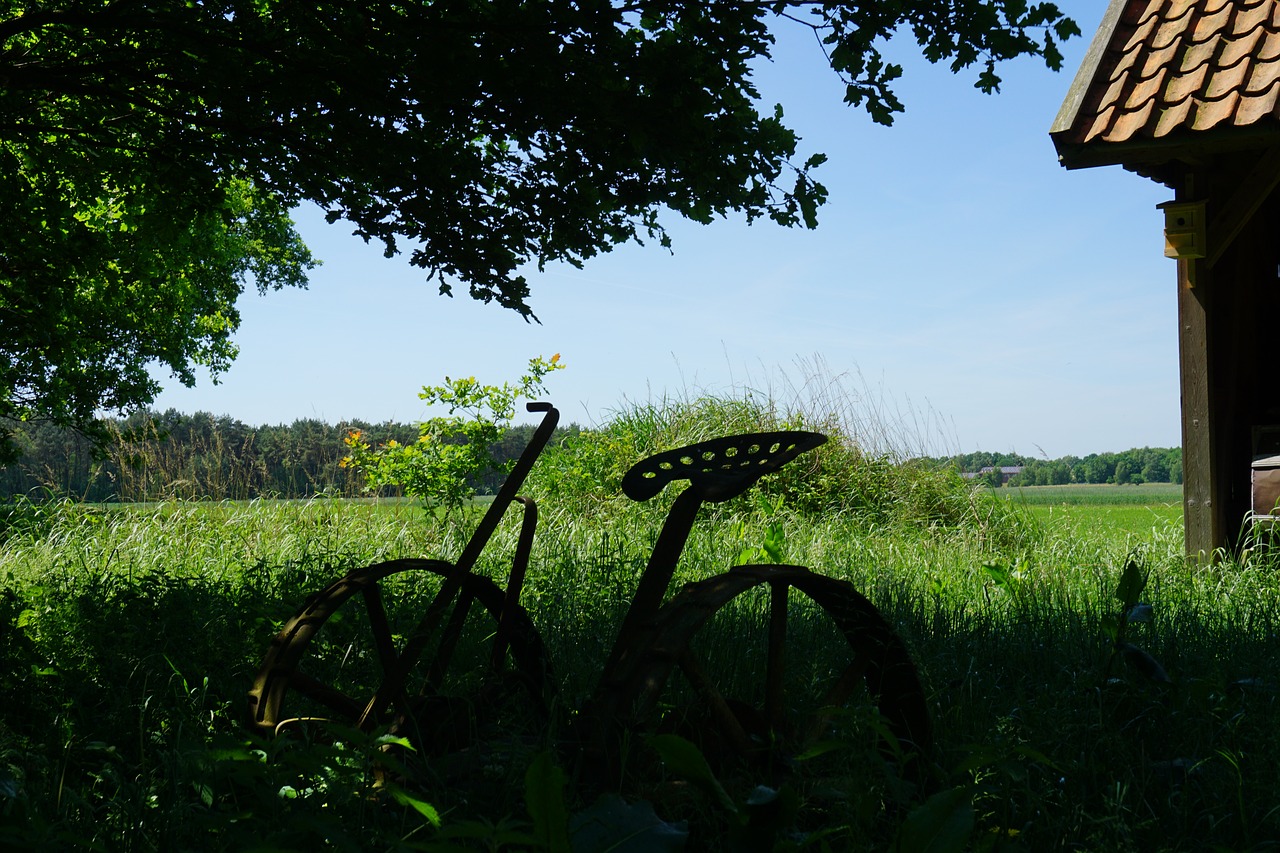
(1184, 229)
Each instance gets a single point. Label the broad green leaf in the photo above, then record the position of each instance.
(1036, 756)
(685, 759)
(942, 824)
(614, 825)
(544, 797)
(822, 748)
(1143, 663)
(998, 572)
(774, 541)
(1132, 582)
(404, 798)
(394, 740)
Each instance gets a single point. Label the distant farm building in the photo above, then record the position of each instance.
(1007, 473)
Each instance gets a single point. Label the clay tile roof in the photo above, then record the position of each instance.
(1162, 71)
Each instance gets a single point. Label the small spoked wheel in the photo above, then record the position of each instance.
(337, 653)
(778, 673)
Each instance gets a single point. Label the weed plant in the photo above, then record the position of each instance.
(130, 636)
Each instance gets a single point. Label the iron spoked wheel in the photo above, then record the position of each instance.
(775, 672)
(330, 659)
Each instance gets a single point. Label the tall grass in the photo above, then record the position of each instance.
(130, 636)
(864, 471)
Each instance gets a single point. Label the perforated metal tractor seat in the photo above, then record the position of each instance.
(721, 468)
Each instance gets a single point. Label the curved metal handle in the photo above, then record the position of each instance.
(512, 485)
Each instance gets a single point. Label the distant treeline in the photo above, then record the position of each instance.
(1139, 465)
(159, 455)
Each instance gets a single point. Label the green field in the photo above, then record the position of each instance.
(1146, 494)
(1126, 511)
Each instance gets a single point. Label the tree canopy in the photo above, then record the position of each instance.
(150, 150)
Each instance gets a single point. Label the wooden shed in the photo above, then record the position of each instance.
(1187, 93)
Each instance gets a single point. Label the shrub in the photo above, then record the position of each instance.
(440, 467)
(583, 473)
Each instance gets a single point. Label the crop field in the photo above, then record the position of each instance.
(1138, 511)
(1155, 495)
(1074, 705)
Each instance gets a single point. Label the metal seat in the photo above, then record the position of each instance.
(721, 468)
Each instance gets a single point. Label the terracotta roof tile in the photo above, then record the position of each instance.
(1164, 67)
(1210, 114)
(1169, 31)
(1264, 76)
(1238, 48)
(1224, 81)
(1262, 105)
(1212, 23)
(1146, 90)
(1182, 86)
(1173, 117)
(1100, 125)
(1142, 32)
(1131, 122)
(1196, 54)
(1250, 18)
(1270, 48)
(1116, 91)
(1159, 58)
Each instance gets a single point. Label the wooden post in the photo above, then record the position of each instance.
(1201, 513)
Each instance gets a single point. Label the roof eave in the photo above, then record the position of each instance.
(1159, 163)
(1188, 147)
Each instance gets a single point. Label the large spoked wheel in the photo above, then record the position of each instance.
(775, 672)
(333, 656)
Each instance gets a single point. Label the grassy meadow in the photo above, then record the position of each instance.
(131, 635)
(1142, 511)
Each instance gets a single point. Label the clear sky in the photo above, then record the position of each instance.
(959, 277)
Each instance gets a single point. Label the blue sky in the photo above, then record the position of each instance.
(960, 280)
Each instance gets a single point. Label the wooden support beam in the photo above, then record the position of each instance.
(1202, 527)
(1227, 223)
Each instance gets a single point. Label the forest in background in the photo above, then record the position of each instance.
(161, 455)
(1129, 467)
